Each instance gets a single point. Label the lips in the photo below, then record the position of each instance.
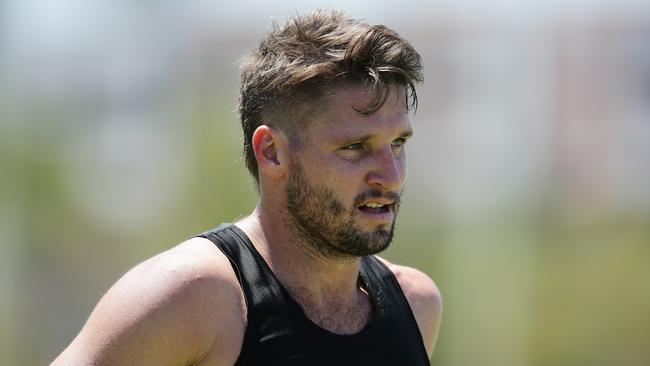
(376, 207)
(381, 207)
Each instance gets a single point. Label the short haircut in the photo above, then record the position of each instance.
(284, 79)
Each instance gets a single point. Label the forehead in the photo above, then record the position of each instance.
(341, 116)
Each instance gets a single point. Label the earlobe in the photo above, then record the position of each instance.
(268, 144)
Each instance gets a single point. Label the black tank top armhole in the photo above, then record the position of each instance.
(223, 237)
(373, 267)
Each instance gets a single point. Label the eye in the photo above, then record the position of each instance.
(354, 146)
(399, 142)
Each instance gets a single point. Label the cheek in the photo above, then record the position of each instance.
(340, 175)
(339, 178)
(348, 174)
(343, 179)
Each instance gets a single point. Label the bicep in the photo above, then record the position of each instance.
(429, 317)
(134, 323)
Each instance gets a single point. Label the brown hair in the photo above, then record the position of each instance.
(296, 63)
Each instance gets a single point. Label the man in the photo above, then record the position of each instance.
(324, 104)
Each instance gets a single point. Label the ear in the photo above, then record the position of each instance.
(270, 147)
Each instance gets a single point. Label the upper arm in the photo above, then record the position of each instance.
(169, 310)
(424, 299)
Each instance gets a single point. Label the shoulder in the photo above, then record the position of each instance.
(173, 308)
(424, 299)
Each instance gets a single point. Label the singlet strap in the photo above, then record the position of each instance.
(258, 284)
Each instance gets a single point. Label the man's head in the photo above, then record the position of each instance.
(325, 104)
(286, 80)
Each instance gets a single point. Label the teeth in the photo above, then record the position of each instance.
(374, 205)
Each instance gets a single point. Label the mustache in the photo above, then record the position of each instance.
(373, 193)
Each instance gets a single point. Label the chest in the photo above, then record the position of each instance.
(337, 317)
(280, 332)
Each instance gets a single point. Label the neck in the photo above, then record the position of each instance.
(304, 273)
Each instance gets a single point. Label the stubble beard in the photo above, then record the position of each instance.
(324, 226)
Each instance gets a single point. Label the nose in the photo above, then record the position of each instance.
(388, 171)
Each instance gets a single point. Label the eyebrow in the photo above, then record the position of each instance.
(346, 140)
(406, 134)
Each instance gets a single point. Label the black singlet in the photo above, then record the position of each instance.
(279, 333)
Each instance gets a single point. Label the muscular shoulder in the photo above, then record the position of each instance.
(174, 308)
(424, 298)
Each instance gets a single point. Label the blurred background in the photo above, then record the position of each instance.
(528, 197)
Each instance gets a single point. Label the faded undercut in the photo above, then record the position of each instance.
(285, 78)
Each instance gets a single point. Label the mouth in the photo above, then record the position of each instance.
(377, 208)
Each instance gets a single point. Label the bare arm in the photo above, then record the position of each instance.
(173, 309)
